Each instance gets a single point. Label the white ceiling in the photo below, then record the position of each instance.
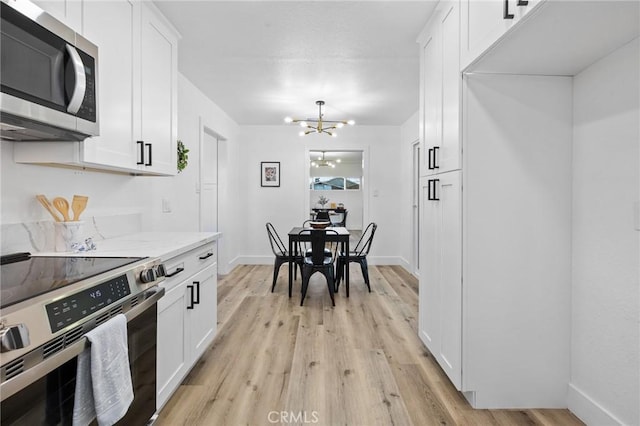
(261, 61)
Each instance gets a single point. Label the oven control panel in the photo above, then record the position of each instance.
(70, 309)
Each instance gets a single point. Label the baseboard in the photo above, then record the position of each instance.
(268, 260)
(254, 260)
(386, 260)
(405, 264)
(229, 266)
(588, 410)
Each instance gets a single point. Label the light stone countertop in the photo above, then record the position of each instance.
(164, 245)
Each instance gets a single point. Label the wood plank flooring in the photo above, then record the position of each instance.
(358, 363)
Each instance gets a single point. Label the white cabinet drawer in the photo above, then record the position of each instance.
(185, 265)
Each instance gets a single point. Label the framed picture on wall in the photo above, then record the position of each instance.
(270, 173)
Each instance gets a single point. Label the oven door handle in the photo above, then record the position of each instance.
(24, 379)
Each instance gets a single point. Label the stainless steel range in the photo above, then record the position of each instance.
(47, 305)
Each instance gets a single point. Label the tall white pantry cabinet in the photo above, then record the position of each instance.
(495, 225)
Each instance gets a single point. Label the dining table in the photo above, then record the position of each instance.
(341, 236)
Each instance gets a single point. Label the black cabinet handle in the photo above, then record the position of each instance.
(206, 256)
(431, 190)
(523, 2)
(506, 14)
(435, 153)
(150, 146)
(174, 273)
(141, 143)
(191, 302)
(196, 300)
(429, 154)
(435, 194)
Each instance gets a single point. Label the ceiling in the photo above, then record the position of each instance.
(261, 61)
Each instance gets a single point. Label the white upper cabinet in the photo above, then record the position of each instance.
(440, 91)
(68, 12)
(544, 37)
(430, 95)
(111, 25)
(137, 92)
(485, 21)
(158, 104)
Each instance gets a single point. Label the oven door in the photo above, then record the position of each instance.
(49, 399)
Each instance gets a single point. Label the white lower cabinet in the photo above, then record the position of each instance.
(187, 317)
(172, 342)
(440, 296)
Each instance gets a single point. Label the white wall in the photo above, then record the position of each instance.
(108, 193)
(181, 190)
(605, 371)
(288, 205)
(409, 133)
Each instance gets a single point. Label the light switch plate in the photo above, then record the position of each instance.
(166, 206)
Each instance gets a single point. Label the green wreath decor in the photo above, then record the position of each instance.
(183, 158)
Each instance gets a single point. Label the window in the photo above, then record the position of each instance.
(334, 183)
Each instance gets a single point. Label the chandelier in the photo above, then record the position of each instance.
(324, 163)
(319, 125)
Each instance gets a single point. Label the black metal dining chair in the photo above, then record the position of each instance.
(319, 261)
(305, 246)
(359, 255)
(282, 255)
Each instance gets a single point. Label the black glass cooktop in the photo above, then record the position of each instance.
(23, 276)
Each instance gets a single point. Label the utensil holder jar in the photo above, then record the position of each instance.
(67, 234)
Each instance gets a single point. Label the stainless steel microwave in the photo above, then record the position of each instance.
(49, 77)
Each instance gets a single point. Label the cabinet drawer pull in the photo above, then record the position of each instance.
(191, 302)
(206, 256)
(523, 2)
(430, 165)
(141, 143)
(174, 273)
(196, 299)
(506, 14)
(429, 197)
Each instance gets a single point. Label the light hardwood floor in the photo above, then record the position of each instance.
(358, 363)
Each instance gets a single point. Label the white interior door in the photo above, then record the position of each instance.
(209, 182)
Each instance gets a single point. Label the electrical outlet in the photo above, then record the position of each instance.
(166, 206)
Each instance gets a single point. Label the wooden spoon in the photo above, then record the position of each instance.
(62, 206)
(78, 204)
(47, 205)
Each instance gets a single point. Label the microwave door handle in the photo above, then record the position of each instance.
(81, 81)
